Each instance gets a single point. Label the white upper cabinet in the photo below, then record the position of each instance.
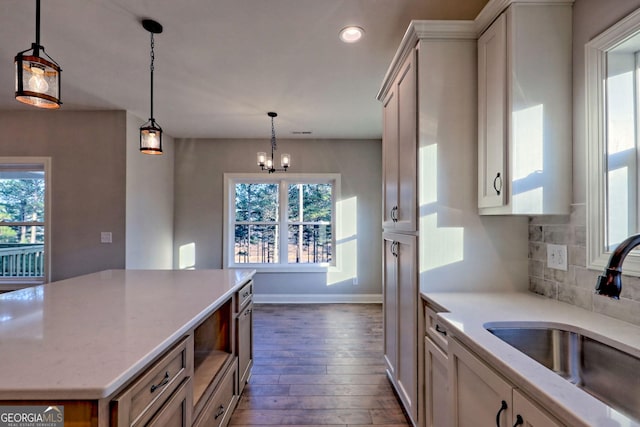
(399, 150)
(524, 110)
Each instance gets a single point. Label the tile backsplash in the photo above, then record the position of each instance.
(576, 285)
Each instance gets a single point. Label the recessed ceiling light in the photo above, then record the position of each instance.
(351, 34)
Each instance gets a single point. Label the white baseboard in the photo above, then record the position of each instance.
(317, 298)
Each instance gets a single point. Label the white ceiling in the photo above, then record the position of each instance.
(221, 65)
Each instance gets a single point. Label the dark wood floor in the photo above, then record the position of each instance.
(318, 365)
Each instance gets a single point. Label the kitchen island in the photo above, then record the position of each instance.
(114, 347)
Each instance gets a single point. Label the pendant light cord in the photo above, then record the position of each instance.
(153, 57)
(36, 47)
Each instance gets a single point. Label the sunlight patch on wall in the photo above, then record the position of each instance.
(528, 165)
(439, 246)
(346, 250)
(428, 178)
(187, 256)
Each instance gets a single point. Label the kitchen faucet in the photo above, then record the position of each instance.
(610, 282)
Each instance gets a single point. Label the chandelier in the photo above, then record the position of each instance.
(266, 163)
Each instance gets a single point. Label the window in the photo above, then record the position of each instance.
(276, 221)
(23, 220)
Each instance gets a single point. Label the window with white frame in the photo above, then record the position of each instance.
(23, 219)
(280, 221)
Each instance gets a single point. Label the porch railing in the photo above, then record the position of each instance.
(21, 260)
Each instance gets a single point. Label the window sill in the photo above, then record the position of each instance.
(283, 269)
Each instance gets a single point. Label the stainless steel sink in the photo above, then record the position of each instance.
(609, 374)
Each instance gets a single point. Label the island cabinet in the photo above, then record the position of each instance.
(524, 109)
(173, 348)
(481, 397)
(244, 333)
(215, 391)
(165, 388)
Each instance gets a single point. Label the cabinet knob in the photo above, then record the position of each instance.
(497, 181)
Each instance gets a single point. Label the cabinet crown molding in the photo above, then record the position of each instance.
(422, 30)
(452, 30)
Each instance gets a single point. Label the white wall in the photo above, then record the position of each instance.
(87, 185)
(149, 213)
(200, 165)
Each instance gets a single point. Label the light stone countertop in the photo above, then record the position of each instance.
(85, 337)
(468, 313)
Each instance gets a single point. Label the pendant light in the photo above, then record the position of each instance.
(151, 132)
(37, 77)
(267, 164)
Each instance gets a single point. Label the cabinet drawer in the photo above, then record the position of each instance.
(176, 411)
(434, 329)
(152, 389)
(244, 295)
(218, 409)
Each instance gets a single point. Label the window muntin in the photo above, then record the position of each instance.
(22, 221)
(283, 221)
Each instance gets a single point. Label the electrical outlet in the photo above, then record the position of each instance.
(557, 257)
(354, 281)
(105, 237)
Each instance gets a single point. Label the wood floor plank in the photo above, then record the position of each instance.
(318, 365)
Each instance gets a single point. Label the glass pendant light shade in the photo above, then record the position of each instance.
(262, 158)
(37, 77)
(285, 160)
(151, 138)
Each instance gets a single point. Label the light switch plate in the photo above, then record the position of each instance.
(557, 257)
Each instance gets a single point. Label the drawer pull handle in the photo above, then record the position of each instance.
(219, 413)
(440, 330)
(246, 294)
(164, 382)
(503, 407)
(246, 313)
(519, 421)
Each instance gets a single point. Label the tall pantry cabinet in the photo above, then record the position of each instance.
(434, 239)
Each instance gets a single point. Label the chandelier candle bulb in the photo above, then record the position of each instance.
(262, 158)
(285, 160)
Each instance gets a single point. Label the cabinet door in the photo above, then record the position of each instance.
(390, 304)
(390, 160)
(244, 344)
(480, 397)
(407, 144)
(530, 415)
(399, 142)
(492, 120)
(407, 347)
(437, 396)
